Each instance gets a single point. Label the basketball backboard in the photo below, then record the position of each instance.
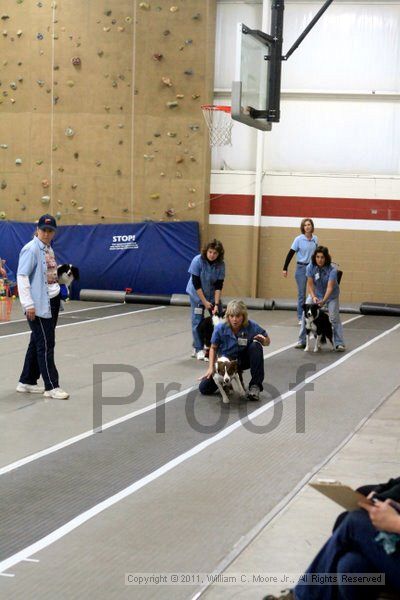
(256, 91)
(250, 88)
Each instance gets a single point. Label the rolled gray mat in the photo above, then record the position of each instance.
(102, 296)
(285, 304)
(180, 300)
(253, 303)
(352, 309)
(148, 299)
(269, 304)
(376, 308)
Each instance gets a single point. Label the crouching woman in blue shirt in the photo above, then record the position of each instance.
(39, 293)
(323, 289)
(238, 338)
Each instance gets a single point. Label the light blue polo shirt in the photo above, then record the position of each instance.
(229, 344)
(32, 263)
(321, 277)
(304, 247)
(209, 274)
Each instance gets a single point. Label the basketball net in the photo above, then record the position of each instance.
(219, 123)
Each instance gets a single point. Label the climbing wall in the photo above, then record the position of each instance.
(100, 117)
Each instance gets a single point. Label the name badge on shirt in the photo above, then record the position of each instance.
(198, 310)
(242, 341)
(316, 276)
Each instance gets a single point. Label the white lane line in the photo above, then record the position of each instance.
(128, 491)
(68, 312)
(35, 560)
(353, 319)
(136, 413)
(286, 500)
(86, 434)
(132, 312)
(7, 575)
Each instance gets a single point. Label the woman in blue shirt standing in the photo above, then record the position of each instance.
(323, 289)
(304, 246)
(39, 293)
(207, 274)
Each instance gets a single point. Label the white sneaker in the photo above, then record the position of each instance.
(193, 355)
(200, 355)
(29, 389)
(56, 393)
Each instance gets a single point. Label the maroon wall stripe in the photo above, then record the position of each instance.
(231, 204)
(296, 206)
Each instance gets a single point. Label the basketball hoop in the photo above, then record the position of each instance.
(219, 123)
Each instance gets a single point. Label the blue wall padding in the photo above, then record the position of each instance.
(149, 258)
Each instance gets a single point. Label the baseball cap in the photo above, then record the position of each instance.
(47, 222)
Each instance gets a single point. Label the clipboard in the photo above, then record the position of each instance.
(343, 495)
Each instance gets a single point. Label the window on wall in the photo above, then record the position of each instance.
(340, 108)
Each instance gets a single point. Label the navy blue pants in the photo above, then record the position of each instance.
(351, 549)
(39, 359)
(249, 358)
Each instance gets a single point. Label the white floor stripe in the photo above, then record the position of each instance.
(246, 540)
(352, 319)
(67, 312)
(132, 312)
(136, 413)
(35, 560)
(95, 510)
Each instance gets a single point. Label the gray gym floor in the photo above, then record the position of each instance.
(166, 487)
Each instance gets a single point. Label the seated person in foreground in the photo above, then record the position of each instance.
(238, 338)
(366, 542)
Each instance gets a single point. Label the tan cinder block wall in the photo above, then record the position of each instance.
(130, 156)
(238, 243)
(369, 260)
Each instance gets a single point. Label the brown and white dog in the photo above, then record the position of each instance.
(228, 378)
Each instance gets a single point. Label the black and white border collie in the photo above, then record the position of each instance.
(205, 329)
(228, 378)
(66, 274)
(318, 326)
